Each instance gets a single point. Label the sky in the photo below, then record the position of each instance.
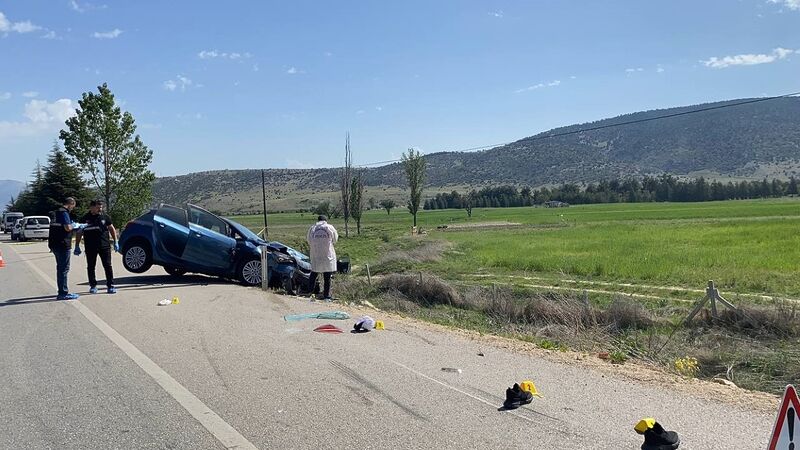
(276, 84)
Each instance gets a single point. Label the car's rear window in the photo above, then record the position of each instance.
(39, 221)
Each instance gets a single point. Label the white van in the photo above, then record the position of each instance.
(8, 220)
(34, 227)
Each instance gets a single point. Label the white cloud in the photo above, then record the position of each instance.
(294, 70)
(83, 7)
(30, 94)
(632, 70)
(213, 54)
(113, 34)
(50, 35)
(42, 117)
(660, 70)
(181, 83)
(791, 4)
(379, 108)
(553, 83)
(7, 26)
(747, 59)
(5, 95)
(498, 14)
(572, 77)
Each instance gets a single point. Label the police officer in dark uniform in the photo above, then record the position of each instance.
(95, 236)
(60, 242)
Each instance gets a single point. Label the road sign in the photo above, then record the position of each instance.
(786, 433)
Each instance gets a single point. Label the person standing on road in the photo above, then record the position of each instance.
(60, 243)
(96, 241)
(321, 237)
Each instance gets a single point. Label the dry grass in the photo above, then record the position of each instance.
(426, 251)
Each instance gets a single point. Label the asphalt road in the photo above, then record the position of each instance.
(224, 369)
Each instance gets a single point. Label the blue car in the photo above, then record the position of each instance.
(197, 241)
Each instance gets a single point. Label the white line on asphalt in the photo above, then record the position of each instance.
(458, 390)
(226, 434)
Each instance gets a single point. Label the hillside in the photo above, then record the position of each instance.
(742, 141)
(8, 189)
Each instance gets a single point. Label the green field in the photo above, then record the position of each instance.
(610, 277)
(747, 247)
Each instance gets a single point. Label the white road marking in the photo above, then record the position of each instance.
(493, 405)
(221, 430)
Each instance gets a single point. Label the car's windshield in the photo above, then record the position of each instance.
(243, 230)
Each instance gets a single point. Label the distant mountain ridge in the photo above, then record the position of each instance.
(734, 141)
(8, 189)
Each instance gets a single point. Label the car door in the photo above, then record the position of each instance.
(210, 244)
(171, 231)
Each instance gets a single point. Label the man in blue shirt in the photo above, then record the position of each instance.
(60, 243)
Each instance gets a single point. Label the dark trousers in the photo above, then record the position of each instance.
(326, 277)
(62, 269)
(91, 261)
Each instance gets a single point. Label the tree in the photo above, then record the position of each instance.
(792, 188)
(414, 165)
(101, 139)
(346, 183)
(51, 185)
(371, 203)
(60, 180)
(388, 204)
(469, 202)
(357, 199)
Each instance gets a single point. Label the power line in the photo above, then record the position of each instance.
(601, 127)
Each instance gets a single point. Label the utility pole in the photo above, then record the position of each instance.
(264, 197)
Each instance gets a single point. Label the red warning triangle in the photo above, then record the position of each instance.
(787, 425)
(328, 328)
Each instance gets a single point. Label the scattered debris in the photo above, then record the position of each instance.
(516, 397)
(165, 302)
(325, 315)
(451, 370)
(328, 328)
(655, 436)
(367, 303)
(364, 324)
(480, 353)
(603, 355)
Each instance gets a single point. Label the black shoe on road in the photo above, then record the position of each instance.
(657, 438)
(516, 397)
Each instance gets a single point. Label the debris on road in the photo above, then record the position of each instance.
(724, 382)
(325, 315)
(328, 328)
(364, 324)
(451, 370)
(655, 436)
(165, 302)
(516, 397)
(480, 353)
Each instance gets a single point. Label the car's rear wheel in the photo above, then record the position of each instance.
(250, 272)
(137, 257)
(174, 271)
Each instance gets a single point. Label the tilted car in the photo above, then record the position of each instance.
(195, 240)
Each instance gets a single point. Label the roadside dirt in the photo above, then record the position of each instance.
(635, 371)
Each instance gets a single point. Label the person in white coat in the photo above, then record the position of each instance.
(321, 237)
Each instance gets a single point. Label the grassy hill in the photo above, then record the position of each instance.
(754, 140)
